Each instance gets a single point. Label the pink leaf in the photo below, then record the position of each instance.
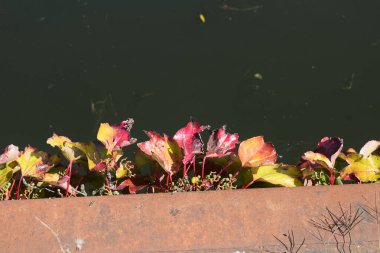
(63, 183)
(369, 148)
(164, 150)
(10, 154)
(133, 187)
(221, 143)
(189, 139)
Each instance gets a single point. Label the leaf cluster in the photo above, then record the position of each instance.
(180, 162)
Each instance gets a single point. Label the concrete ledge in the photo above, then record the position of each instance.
(218, 221)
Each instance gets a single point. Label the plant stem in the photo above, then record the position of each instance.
(11, 189)
(332, 176)
(194, 166)
(248, 185)
(18, 187)
(114, 160)
(107, 182)
(167, 182)
(236, 173)
(68, 181)
(80, 181)
(203, 166)
(158, 179)
(224, 168)
(185, 170)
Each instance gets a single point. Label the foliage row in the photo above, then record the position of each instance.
(179, 163)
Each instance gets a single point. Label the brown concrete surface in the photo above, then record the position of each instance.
(218, 221)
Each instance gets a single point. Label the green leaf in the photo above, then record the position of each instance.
(365, 169)
(351, 157)
(6, 172)
(97, 155)
(278, 174)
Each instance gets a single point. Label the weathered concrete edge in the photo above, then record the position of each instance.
(217, 221)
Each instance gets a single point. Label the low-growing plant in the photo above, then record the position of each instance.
(179, 163)
(373, 214)
(289, 245)
(340, 225)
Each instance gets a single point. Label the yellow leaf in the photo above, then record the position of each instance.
(365, 169)
(115, 137)
(124, 169)
(32, 163)
(68, 148)
(278, 174)
(51, 177)
(318, 158)
(106, 135)
(92, 153)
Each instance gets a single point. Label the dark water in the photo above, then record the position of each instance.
(65, 66)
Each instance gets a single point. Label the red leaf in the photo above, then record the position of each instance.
(327, 151)
(330, 147)
(221, 143)
(189, 139)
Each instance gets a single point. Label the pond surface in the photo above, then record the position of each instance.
(293, 71)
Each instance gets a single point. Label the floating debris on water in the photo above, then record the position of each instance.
(258, 76)
(254, 8)
(202, 18)
(351, 82)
